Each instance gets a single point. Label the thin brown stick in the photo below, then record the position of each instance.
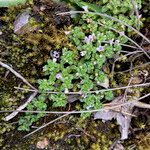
(17, 74)
(137, 13)
(85, 111)
(128, 39)
(148, 63)
(43, 126)
(91, 92)
(13, 114)
(107, 16)
(141, 105)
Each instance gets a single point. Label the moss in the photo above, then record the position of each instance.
(27, 56)
(26, 53)
(67, 134)
(70, 134)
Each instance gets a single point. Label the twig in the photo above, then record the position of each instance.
(91, 136)
(113, 66)
(19, 88)
(13, 114)
(84, 111)
(17, 74)
(46, 125)
(91, 92)
(137, 13)
(126, 45)
(141, 105)
(107, 16)
(128, 39)
(148, 63)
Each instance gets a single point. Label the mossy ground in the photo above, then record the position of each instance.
(27, 56)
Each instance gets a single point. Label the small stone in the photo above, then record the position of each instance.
(21, 20)
(43, 144)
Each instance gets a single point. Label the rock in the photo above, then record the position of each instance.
(21, 20)
(24, 23)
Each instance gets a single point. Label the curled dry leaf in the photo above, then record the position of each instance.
(122, 119)
(42, 144)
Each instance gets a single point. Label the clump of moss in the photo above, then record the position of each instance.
(78, 133)
(28, 51)
(74, 133)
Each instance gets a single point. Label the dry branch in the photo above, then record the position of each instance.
(91, 92)
(107, 16)
(13, 114)
(46, 125)
(135, 7)
(17, 74)
(106, 107)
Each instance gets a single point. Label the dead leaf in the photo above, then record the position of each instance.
(105, 115)
(122, 120)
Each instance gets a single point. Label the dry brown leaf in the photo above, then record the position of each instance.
(122, 120)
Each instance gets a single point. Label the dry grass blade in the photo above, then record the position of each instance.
(141, 105)
(137, 13)
(46, 125)
(98, 91)
(107, 16)
(17, 74)
(107, 107)
(13, 114)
